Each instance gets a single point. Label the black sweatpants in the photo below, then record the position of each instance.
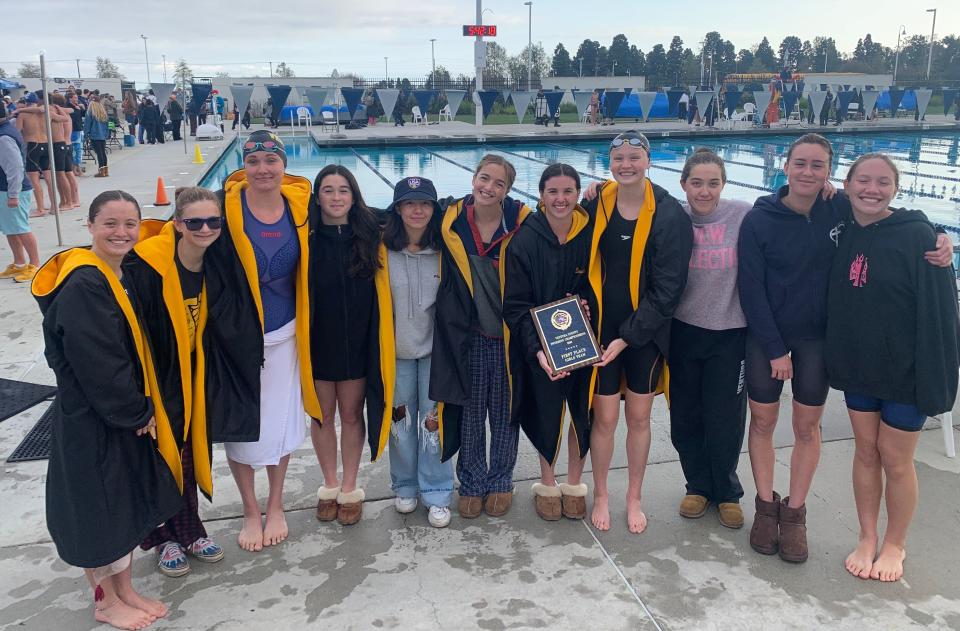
(708, 408)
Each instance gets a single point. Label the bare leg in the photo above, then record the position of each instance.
(28, 243)
(763, 420)
(806, 451)
(66, 196)
(637, 412)
(74, 189)
(606, 413)
(113, 611)
(350, 396)
(896, 455)
(867, 490)
(546, 473)
(251, 533)
(275, 528)
(48, 178)
(324, 437)
(16, 247)
(123, 583)
(574, 462)
(34, 177)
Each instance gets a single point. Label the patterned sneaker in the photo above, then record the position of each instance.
(26, 274)
(172, 562)
(439, 516)
(204, 549)
(405, 505)
(12, 270)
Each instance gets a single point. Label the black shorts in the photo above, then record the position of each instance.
(809, 384)
(38, 159)
(640, 368)
(61, 156)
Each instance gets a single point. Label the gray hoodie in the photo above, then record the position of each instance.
(414, 280)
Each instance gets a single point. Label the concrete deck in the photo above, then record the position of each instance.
(395, 571)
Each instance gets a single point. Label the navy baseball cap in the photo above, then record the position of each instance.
(32, 98)
(416, 187)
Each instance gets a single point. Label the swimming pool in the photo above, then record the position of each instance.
(929, 164)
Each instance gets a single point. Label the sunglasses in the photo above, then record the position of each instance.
(194, 224)
(266, 145)
(633, 141)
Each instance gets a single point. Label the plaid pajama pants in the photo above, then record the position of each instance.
(185, 527)
(490, 394)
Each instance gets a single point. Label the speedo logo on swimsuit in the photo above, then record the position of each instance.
(579, 270)
(625, 237)
(266, 234)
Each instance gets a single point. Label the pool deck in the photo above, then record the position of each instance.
(395, 571)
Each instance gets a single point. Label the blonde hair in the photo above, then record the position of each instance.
(501, 161)
(97, 111)
(186, 195)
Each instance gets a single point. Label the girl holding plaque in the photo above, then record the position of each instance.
(543, 263)
(639, 255)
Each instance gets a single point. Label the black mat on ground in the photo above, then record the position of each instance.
(17, 396)
(36, 444)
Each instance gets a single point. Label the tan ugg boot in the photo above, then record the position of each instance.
(498, 504)
(327, 503)
(350, 507)
(574, 500)
(547, 500)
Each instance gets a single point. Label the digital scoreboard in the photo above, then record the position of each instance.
(479, 30)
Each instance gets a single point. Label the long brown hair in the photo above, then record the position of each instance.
(364, 260)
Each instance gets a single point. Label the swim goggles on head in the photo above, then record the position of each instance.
(633, 141)
(265, 145)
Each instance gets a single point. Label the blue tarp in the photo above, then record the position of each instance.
(352, 98)
(907, 100)
(611, 102)
(487, 97)
(731, 100)
(278, 94)
(7, 84)
(630, 107)
(553, 98)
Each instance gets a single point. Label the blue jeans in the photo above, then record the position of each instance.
(76, 141)
(414, 452)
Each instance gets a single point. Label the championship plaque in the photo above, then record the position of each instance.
(565, 334)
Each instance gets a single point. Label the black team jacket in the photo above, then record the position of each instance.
(107, 488)
(537, 269)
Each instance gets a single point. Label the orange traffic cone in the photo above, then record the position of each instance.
(161, 194)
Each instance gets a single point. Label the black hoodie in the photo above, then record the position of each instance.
(892, 317)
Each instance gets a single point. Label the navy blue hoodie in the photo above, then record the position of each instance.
(784, 268)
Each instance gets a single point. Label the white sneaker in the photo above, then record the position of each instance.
(439, 516)
(405, 505)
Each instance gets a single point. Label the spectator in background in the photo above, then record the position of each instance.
(594, 107)
(145, 113)
(8, 105)
(683, 105)
(129, 108)
(15, 198)
(825, 109)
(236, 116)
(95, 128)
(110, 105)
(175, 112)
(76, 134)
(246, 117)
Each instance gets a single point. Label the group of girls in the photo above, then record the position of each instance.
(167, 337)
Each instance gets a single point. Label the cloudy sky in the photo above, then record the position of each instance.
(241, 36)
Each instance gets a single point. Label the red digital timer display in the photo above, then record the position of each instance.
(481, 30)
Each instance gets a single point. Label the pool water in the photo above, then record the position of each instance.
(930, 171)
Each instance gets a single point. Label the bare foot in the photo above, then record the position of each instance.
(153, 607)
(64, 207)
(889, 565)
(122, 616)
(251, 534)
(601, 512)
(636, 520)
(860, 561)
(275, 530)
(37, 213)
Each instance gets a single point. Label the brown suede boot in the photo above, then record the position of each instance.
(350, 507)
(574, 504)
(764, 536)
(327, 503)
(497, 504)
(547, 500)
(470, 506)
(793, 532)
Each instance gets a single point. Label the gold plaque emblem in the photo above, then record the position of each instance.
(561, 319)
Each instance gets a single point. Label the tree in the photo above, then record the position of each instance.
(106, 69)
(498, 63)
(439, 77)
(182, 74)
(29, 70)
(725, 59)
(638, 62)
(764, 58)
(518, 64)
(789, 51)
(657, 65)
(561, 66)
(618, 55)
(284, 71)
(744, 60)
(805, 63)
(824, 54)
(674, 60)
(588, 57)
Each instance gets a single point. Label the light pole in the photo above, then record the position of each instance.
(703, 58)
(932, 29)
(145, 56)
(164, 66)
(826, 55)
(433, 62)
(78, 70)
(581, 66)
(529, 43)
(386, 69)
(613, 69)
(896, 59)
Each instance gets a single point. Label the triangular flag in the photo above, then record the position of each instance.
(487, 97)
(896, 95)
(423, 98)
(790, 101)
(351, 97)
(611, 102)
(521, 100)
(762, 98)
(388, 99)
(505, 95)
(241, 97)
(844, 99)
(923, 100)
(582, 99)
(817, 99)
(163, 91)
(731, 100)
(703, 98)
(454, 99)
(279, 95)
(316, 97)
(645, 100)
(553, 101)
(627, 91)
(869, 101)
(673, 102)
(199, 92)
(949, 96)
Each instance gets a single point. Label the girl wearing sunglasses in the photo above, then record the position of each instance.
(258, 282)
(166, 271)
(639, 255)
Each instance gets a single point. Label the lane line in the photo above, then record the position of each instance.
(372, 168)
(470, 171)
